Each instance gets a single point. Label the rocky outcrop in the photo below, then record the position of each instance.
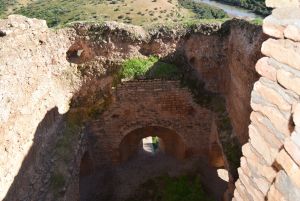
(270, 166)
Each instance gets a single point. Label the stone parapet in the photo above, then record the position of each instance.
(270, 166)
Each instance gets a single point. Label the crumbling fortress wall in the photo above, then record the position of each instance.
(270, 166)
(52, 80)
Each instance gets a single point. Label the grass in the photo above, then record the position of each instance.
(61, 12)
(165, 188)
(148, 68)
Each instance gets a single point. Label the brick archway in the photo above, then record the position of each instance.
(173, 143)
(150, 104)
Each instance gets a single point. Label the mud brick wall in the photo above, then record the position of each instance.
(139, 104)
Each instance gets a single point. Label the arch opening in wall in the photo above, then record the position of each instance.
(166, 140)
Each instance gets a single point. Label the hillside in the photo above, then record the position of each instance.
(60, 12)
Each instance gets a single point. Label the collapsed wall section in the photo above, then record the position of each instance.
(270, 166)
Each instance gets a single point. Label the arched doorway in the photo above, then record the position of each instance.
(170, 142)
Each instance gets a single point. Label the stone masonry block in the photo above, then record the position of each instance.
(265, 68)
(261, 146)
(286, 187)
(290, 167)
(292, 148)
(283, 23)
(284, 51)
(282, 3)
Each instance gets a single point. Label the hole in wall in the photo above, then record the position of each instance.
(2, 33)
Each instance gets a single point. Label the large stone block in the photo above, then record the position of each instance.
(267, 130)
(284, 51)
(262, 183)
(284, 22)
(275, 195)
(282, 3)
(280, 119)
(250, 153)
(252, 189)
(275, 94)
(286, 187)
(242, 191)
(265, 68)
(261, 146)
(292, 148)
(290, 167)
(289, 80)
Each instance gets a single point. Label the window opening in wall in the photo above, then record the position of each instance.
(152, 144)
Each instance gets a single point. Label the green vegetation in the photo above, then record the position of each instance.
(165, 188)
(148, 68)
(62, 12)
(257, 21)
(155, 142)
(57, 181)
(257, 6)
(202, 10)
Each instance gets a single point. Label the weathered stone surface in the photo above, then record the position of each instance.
(285, 186)
(292, 32)
(282, 3)
(35, 77)
(292, 148)
(253, 192)
(275, 195)
(296, 114)
(275, 94)
(290, 167)
(289, 80)
(242, 191)
(274, 138)
(261, 182)
(284, 22)
(283, 51)
(280, 119)
(266, 69)
(257, 141)
(251, 154)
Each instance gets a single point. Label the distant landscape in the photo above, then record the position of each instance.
(257, 6)
(138, 12)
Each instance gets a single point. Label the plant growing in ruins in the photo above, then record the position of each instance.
(148, 68)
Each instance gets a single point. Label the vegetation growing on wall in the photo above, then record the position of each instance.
(165, 188)
(148, 68)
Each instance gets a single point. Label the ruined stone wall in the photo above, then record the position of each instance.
(35, 77)
(141, 104)
(270, 166)
(225, 62)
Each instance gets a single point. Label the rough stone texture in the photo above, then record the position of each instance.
(284, 22)
(282, 3)
(226, 65)
(274, 132)
(34, 78)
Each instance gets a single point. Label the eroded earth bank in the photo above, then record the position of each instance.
(71, 127)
